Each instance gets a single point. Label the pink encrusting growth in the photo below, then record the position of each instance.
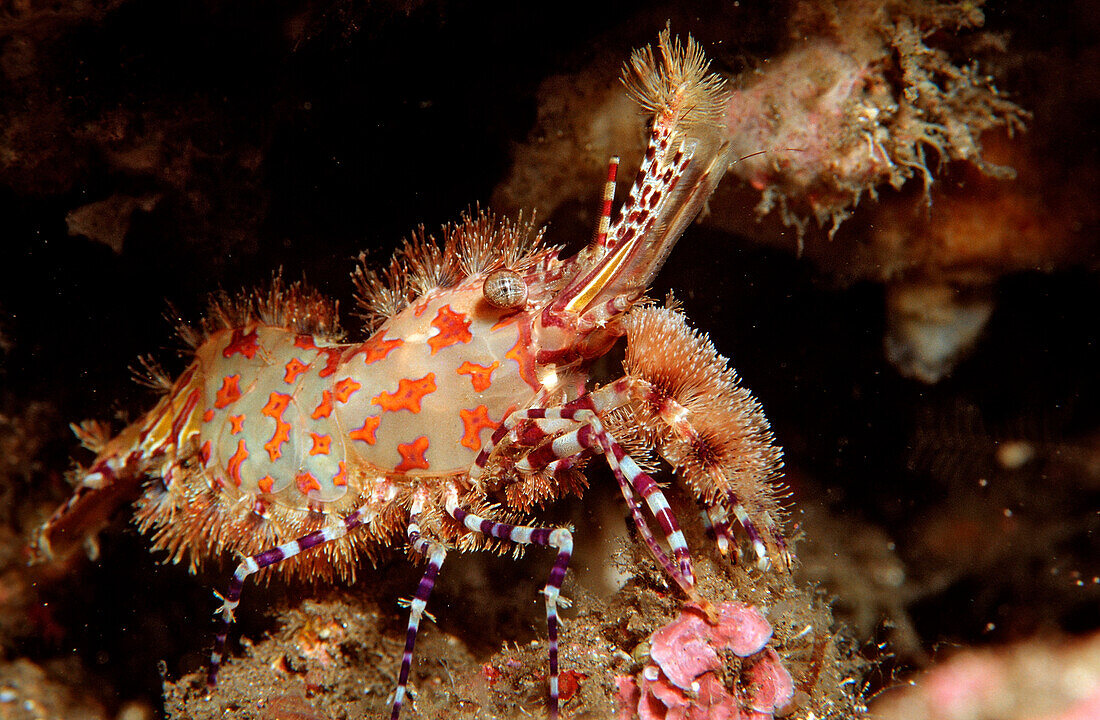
(687, 678)
(466, 407)
(860, 102)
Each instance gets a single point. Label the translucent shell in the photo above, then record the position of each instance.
(505, 289)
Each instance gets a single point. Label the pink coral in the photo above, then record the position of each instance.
(684, 679)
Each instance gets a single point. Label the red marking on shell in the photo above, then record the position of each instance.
(306, 482)
(523, 359)
(366, 433)
(377, 348)
(277, 403)
(294, 368)
(332, 361)
(267, 483)
(454, 328)
(346, 388)
(324, 409)
(233, 467)
(230, 391)
(421, 307)
(340, 479)
(204, 452)
(473, 422)
(242, 343)
(504, 321)
(236, 424)
(480, 376)
(412, 455)
(305, 342)
(321, 444)
(408, 396)
(208, 415)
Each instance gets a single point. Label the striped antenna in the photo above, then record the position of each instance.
(608, 199)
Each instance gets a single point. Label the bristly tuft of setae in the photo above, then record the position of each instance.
(677, 87)
(719, 441)
(478, 243)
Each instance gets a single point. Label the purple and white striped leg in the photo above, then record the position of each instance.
(436, 554)
(594, 437)
(716, 522)
(763, 562)
(254, 564)
(560, 452)
(642, 483)
(559, 538)
(548, 421)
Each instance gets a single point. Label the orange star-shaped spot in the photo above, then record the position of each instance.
(321, 444)
(230, 391)
(525, 360)
(454, 328)
(481, 377)
(324, 408)
(236, 424)
(241, 343)
(306, 482)
(408, 396)
(377, 348)
(412, 455)
(473, 422)
(294, 368)
(366, 432)
(345, 389)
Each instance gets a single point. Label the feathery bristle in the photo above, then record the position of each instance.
(295, 306)
(485, 242)
(720, 442)
(427, 264)
(298, 307)
(92, 434)
(477, 243)
(149, 373)
(194, 523)
(379, 294)
(676, 88)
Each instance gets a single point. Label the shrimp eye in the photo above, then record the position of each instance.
(505, 289)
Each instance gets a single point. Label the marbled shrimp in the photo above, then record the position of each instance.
(468, 405)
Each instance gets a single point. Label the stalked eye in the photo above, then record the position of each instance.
(505, 289)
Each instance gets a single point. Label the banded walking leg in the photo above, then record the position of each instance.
(716, 523)
(254, 564)
(592, 436)
(559, 538)
(436, 554)
(564, 449)
(717, 520)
